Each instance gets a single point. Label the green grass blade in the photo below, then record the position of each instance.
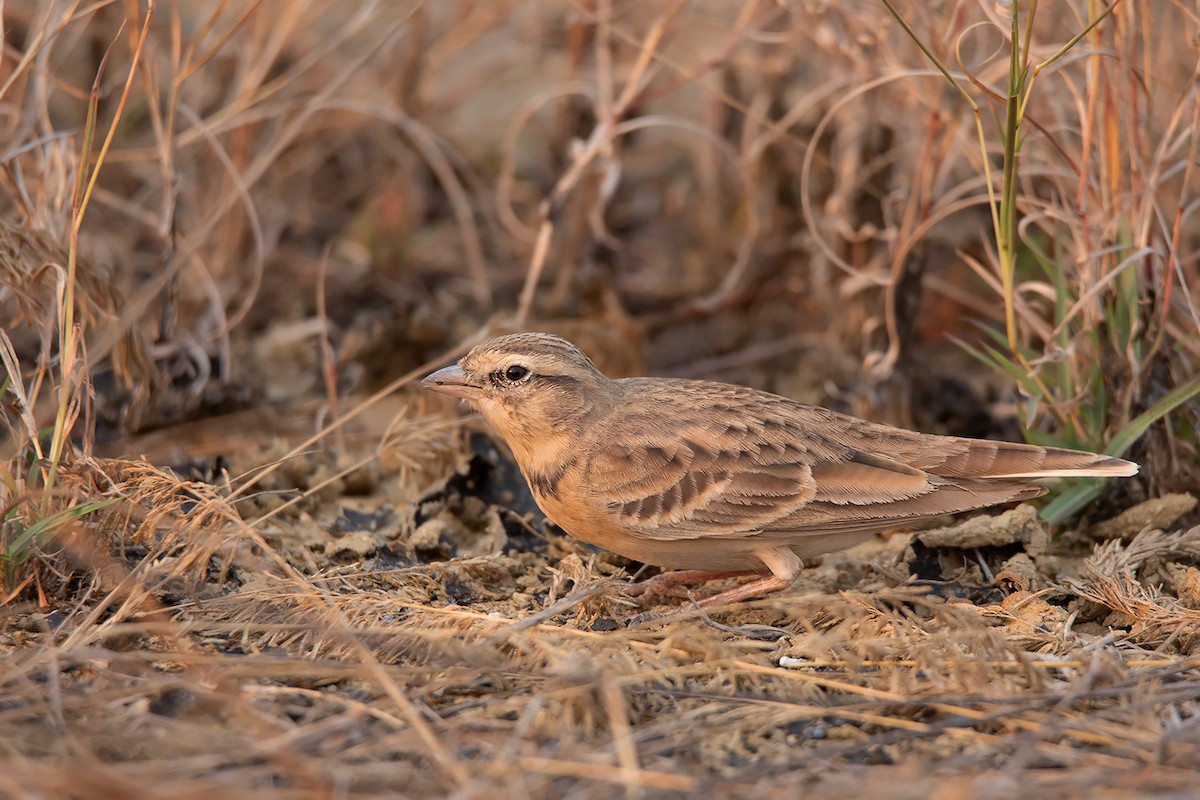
(1078, 495)
(20, 548)
(1070, 501)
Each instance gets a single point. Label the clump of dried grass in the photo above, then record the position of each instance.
(1154, 617)
(304, 698)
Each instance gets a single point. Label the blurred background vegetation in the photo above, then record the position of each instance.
(788, 195)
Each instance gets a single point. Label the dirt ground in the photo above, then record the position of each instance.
(305, 578)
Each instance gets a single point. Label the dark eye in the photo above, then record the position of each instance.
(516, 373)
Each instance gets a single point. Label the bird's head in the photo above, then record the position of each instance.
(537, 390)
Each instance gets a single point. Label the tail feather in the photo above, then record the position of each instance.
(1058, 466)
(953, 457)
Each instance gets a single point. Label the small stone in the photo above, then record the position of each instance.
(428, 535)
(1019, 574)
(1021, 525)
(1159, 512)
(1185, 580)
(352, 546)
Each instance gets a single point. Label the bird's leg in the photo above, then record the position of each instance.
(747, 591)
(667, 584)
(785, 568)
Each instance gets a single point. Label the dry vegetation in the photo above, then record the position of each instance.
(243, 556)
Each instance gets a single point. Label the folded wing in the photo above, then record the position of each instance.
(738, 462)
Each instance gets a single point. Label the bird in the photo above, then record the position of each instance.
(715, 479)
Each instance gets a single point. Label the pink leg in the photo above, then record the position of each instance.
(747, 591)
(785, 567)
(667, 584)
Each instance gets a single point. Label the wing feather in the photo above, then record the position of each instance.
(738, 462)
(688, 459)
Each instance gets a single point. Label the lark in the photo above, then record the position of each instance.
(715, 479)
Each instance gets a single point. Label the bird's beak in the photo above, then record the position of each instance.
(452, 381)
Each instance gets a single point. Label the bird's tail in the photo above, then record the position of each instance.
(978, 458)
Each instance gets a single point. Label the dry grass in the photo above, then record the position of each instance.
(232, 234)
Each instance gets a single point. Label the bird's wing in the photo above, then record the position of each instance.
(691, 459)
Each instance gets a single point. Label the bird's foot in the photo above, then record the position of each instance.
(670, 584)
(747, 591)
(764, 633)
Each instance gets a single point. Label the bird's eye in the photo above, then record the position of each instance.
(516, 373)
